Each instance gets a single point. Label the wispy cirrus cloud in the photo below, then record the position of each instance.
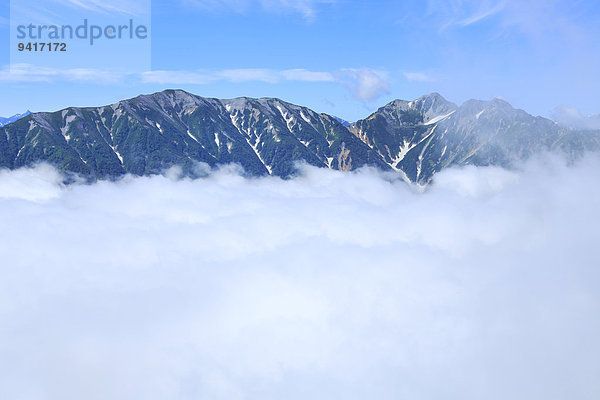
(485, 11)
(536, 19)
(307, 8)
(462, 13)
(132, 7)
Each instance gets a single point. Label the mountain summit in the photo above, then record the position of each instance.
(149, 133)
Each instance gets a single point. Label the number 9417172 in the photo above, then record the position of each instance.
(42, 46)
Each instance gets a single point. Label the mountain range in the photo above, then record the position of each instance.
(149, 133)
(10, 120)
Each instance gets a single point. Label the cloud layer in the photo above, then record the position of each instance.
(573, 118)
(329, 285)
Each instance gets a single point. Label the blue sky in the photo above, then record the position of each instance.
(342, 57)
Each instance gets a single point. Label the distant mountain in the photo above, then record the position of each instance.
(421, 137)
(343, 122)
(150, 133)
(6, 121)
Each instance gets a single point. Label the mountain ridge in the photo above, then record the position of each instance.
(6, 121)
(267, 136)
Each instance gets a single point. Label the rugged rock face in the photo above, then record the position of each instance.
(478, 132)
(149, 133)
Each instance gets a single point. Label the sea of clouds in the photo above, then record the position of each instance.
(331, 285)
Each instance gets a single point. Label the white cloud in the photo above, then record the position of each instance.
(573, 118)
(236, 76)
(32, 73)
(366, 83)
(418, 77)
(330, 285)
(31, 184)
